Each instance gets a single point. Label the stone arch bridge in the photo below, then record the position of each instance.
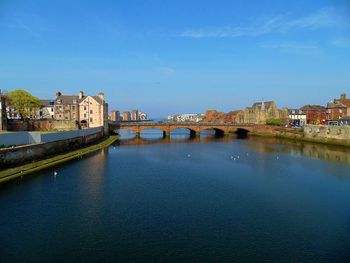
(194, 127)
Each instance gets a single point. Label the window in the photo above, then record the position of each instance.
(74, 101)
(73, 107)
(91, 120)
(85, 115)
(84, 107)
(51, 109)
(90, 111)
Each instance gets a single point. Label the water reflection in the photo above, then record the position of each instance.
(261, 145)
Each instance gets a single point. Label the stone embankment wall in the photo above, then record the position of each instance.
(41, 125)
(328, 134)
(44, 144)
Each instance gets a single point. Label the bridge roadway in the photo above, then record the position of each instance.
(194, 127)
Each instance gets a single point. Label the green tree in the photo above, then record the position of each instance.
(24, 103)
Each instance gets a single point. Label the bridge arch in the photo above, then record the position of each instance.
(217, 131)
(162, 133)
(242, 133)
(193, 132)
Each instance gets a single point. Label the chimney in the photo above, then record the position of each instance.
(81, 95)
(343, 96)
(58, 94)
(102, 96)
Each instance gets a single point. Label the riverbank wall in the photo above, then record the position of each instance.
(37, 145)
(333, 135)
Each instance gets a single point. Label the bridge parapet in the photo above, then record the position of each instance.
(194, 127)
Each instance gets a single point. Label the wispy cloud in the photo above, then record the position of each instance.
(324, 18)
(341, 43)
(20, 25)
(289, 45)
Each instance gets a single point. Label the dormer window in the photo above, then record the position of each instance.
(74, 101)
(59, 101)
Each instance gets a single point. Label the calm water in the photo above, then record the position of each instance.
(182, 200)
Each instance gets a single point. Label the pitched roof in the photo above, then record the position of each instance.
(68, 99)
(46, 103)
(296, 111)
(335, 104)
(313, 107)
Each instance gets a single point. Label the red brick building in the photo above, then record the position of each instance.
(315, 114)
(338, 108)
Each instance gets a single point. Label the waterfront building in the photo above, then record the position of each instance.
(93, 111)
(338, 108)
(315, 114)
(115, 115)
(66, 107)
(188, 117)
(134, 115)
(297, 117)
(126, 116)
(142, 116)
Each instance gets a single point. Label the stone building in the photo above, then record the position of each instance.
(66, 107)
(260, 112)
(93, 111)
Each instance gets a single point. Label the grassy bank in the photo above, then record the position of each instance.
(12, 173)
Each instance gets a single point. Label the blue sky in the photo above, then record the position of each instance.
(182, 56)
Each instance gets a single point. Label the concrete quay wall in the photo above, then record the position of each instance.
(44, 145)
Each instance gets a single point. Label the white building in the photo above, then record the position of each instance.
(297, 117)
(188, 117)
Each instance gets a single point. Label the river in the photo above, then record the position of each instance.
(184, 200)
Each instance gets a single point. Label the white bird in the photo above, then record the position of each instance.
(188, 155)
(55, 173)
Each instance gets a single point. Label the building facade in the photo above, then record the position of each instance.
(143, 116)
(115, 115)
(260, 112)
(93, 111)
(66, 107)
(338, 109)
(315, 114)
(297, 117)
(134, 115)
(126, 116)
(188, 117)
(47, 110)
